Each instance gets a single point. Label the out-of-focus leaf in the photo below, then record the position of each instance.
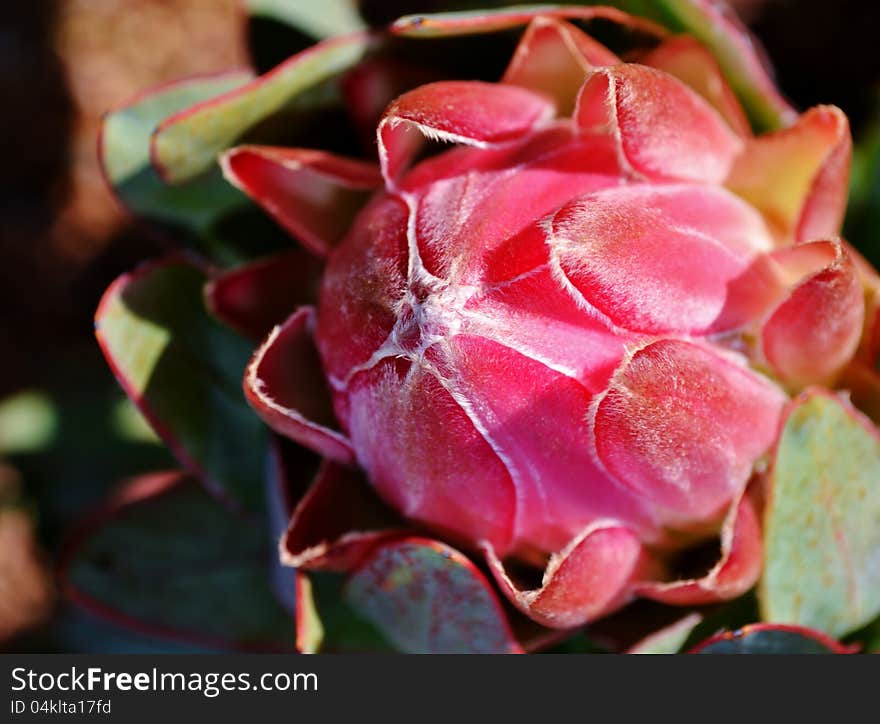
(318, 19)
(862, 226)
(668, 640)
(188, 142)
(183, 370)
(27, 422)
(822, 521)
(770, 638)
(715, 25)
(124, 149)
(166, 558)
(131, 424)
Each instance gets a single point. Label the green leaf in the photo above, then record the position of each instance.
(318, 19)
(822, 524)
(28, 422)
(427, 598)
(125, 155)
(326, 622)
(769, 639)
(166, 558)
(188, 143)
(668, 640)
(863, 210)
(183, 370)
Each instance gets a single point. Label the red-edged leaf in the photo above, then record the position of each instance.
(286, 386)
(488, 21)
(822, 518)
(163, 557)
(183, 370)
(188, 142)
(663, 129)
(255, 297)
(428, 598)
(771, 638)
(327, 623)
(124, 153)
(314, 195)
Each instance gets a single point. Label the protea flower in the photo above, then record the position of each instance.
(578, 342)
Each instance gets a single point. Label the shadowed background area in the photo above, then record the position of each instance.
(67, 435)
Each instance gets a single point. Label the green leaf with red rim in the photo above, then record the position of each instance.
(183, 370)
(166, 558)
(822, 518)
(767, 638)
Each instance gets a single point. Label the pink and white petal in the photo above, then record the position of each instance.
(313, 194)
(285, 385)
(254, 297)
(663, 129)
(735, 573)
(554, 57)
(337, 523)
(682, 426)
(656, 258)
(472, 113)
(798, 177)
(693, 64)
(489, 21)
(772, 278)
(815, 331)
(591, 577)
(363, 284)
(535, 316)
(466, 229)
(425, 455)
(536, 415)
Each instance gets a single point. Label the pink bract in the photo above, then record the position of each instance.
(567, 340)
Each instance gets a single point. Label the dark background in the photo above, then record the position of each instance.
(63, 239)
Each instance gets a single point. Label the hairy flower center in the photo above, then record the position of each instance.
(430, 312)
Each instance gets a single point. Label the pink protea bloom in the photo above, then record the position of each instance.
(567, 341)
